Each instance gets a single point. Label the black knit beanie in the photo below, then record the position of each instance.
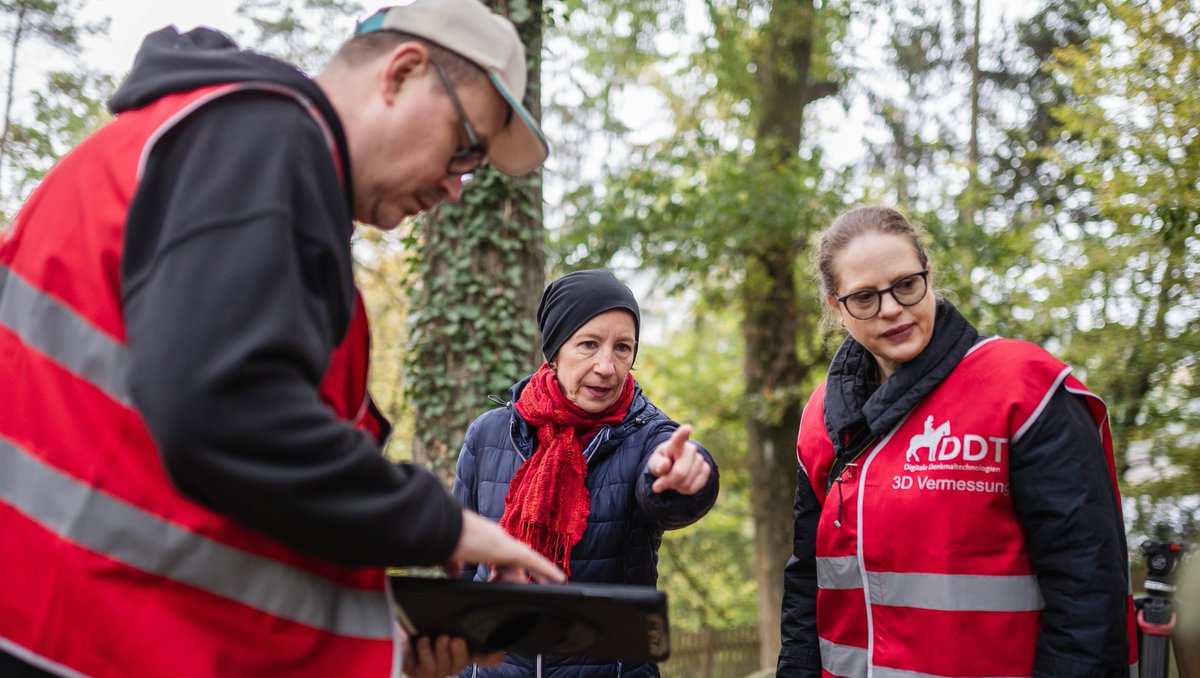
(572, 300)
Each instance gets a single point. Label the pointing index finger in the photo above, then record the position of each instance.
(679, 437)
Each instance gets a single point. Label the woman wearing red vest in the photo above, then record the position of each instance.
(956, 508)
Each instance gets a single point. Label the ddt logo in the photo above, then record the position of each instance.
(943, 446)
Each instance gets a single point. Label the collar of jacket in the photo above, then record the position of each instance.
(853, 400)
(524, 434)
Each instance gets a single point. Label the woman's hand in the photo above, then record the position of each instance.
(678, 464)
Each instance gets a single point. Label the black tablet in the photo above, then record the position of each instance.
(600, 621)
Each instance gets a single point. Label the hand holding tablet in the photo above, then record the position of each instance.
(602, 621)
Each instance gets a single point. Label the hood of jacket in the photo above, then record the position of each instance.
(169, 62)
(854, 400)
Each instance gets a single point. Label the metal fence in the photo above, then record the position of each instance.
(713, 653)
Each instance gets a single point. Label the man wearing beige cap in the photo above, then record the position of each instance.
(191, 481)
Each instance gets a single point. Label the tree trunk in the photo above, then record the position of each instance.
(973, 152)
(483, 268)
(970, 202)
(773, 376)
(18, 33)
(772, 371)
(532, 255)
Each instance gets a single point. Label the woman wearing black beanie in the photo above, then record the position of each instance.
(579, 464)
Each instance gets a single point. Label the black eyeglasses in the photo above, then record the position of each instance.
(465, 160)
(907, 291)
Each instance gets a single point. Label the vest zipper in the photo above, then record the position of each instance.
(842, 477)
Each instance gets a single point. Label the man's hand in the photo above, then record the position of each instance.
(442, 656)
(483, 541)
(436, 658)
(678, 464)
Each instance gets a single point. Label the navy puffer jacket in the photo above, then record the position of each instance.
(625, 522)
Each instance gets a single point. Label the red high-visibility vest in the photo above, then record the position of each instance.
(105, 568)
(922, 568)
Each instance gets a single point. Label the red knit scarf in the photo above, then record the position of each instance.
(547, 502)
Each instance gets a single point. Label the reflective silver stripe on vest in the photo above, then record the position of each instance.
(847, 660)
(1058, 380)
(884, 672)
(843, 660)
(956, 592)
(949, 592)
(38, 661)
(953, 593)
(839, 572)
(54, 329)
(111, 527)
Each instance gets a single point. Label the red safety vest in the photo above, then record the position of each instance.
(922, 526)
(105, 568)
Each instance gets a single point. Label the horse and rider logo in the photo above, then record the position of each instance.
(929, 439)
(943, 446)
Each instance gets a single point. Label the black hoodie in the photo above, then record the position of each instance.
(237, 286)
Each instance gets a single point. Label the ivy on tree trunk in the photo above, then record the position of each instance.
(479, 268)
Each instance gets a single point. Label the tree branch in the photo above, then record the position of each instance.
(820, 90)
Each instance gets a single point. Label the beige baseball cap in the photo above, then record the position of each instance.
(473, 31)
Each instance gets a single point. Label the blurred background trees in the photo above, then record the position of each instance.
(722, 207)
(1052, 151)
(64, 110)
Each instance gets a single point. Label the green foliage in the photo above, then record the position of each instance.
(708, 66)
(69, 109)
(723, 207)
(53, 23)
(982, 232)
(706, 224)
(384, 276)
(698, 212)
(302, 32)
(1083, 237)
(1127, 233)
(470, 328)
(705, 569)
(703, 205)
